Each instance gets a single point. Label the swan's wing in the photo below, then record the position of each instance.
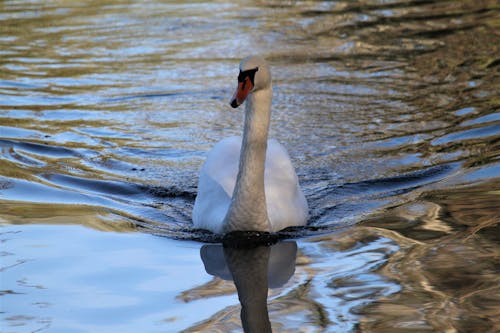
(222, 163)
(286, 204)
(216, 184)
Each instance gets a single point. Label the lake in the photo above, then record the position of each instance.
(389, 111)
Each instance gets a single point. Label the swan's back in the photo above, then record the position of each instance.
(286, 204)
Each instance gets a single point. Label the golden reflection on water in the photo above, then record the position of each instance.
(48, 214)
(448, 270)
(107, 108)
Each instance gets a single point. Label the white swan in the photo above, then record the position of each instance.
(249, 183)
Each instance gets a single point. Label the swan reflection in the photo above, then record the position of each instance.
(253, 270)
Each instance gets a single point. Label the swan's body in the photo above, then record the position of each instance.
(249, 183)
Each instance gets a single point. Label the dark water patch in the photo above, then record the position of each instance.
(438, 33)
(388, 186)
(413, 179)
(40, 149)
(107, 187)
(114, 167)
(493, 63)
(159, 153)
(236, 239)
(18, 157)
(149, 95)
(334, 205)
(161, 192)
(22, 190)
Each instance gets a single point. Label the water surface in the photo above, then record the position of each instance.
(389, 110)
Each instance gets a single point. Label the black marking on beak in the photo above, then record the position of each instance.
(250, 73)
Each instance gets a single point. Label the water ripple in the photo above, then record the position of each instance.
(389, 110)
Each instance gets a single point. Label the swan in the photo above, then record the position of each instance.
(248, 183)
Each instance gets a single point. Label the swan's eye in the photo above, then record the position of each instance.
(249, 73)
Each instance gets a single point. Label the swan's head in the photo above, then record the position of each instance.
(254, 75)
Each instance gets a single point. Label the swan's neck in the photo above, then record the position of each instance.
(248, 210)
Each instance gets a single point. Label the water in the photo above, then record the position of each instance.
(389, 110)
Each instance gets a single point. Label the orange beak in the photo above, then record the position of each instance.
(242, 92)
